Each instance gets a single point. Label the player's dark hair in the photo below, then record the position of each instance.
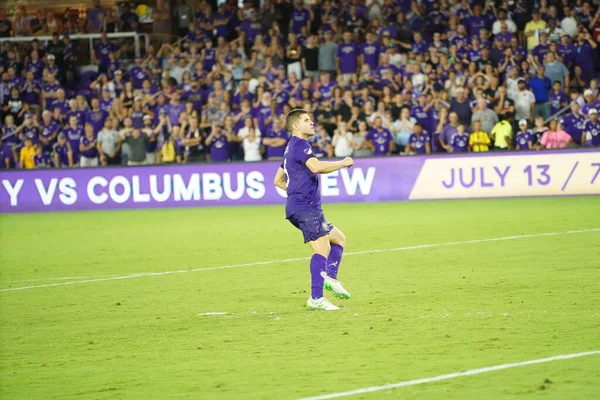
(292, 118)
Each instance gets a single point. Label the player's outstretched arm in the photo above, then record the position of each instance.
(325, 167)
(279, 180)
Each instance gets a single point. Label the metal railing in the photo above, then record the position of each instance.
(137, 37)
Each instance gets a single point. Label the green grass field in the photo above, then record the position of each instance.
(104, 332)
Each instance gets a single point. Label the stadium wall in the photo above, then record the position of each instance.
(552, 173)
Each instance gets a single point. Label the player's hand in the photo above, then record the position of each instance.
(348, 162)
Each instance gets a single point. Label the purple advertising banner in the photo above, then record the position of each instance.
(370, 180)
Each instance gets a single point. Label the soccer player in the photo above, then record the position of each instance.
(297, 175)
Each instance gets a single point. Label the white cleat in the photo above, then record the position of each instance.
(320, 304)
(335, 286)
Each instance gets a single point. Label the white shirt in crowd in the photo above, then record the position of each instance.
(523, 100)
(569, 25)
(512, 87)
(252, 149)
(244, 133)
(342, 144)
(108, 140)
(497, 27)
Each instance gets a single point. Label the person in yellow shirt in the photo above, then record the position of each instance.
(167, 152)
(502, 135)
(27, 154)
(479, 141)
(533, 29)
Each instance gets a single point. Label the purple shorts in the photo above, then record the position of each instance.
(312, 223)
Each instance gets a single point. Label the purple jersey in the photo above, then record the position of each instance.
(326, 90)
(31, 132)
(474, 55)
(540, 51)
(302, 184)
(299, 17)
(585, 110)
(370, 52)
(29, 95)
(420, 115)
(584, 57)
(557, 101)
(9, 135)
(460, 41)
(210, 56)
(63, 154)
(42, 161)
(62, 105)
(573, 125)
(102, 50)
(138, 75)
(137, 119)
(381, 140)
(460, 143)
(448, 134)
(262, 113)
(277, 151)
(566, 51)
(219, 149)
(523, 139)
(420, 47)
(418, 142)
(51, 89)
(96, 119)
(348, 56)
(5, 152)
(505, 37)
(106, 105)
(91, 153)
(252, 29)
(49, 130)
(174, 111)
(80, 115)
(36, 67)
(74, 137)
(594, 130)
(281, 98)
(475, 25)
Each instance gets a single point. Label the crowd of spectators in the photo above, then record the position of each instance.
(379, 77)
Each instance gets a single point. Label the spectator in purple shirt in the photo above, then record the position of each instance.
(96, 116)
(476, 22)
(88, 148)
(558, 98)
(49, 130)
(101, 52)
(275, 140)
(41, 159)
(252, 27)
(419, 141)
(419, 46)
(174, 109)
(460, 141)
(370, 52)
(347, 58)
(74, 133)
(524, 138)
(448, 131)
(380, 138)
(299, 18)
(35, 65)
(218, 143)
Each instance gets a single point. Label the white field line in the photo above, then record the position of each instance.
(63, 278)
(208, 314)
(450, 376)
(287, 260)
